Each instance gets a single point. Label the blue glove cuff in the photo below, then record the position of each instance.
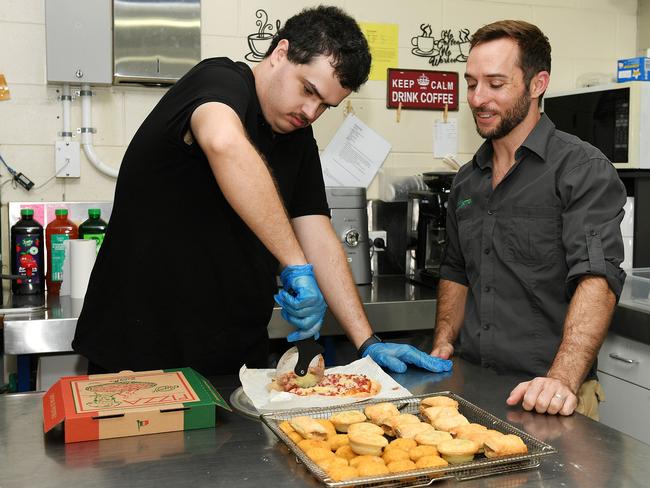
(373, 339)
(300, 269)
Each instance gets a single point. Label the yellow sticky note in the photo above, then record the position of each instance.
(382, 39)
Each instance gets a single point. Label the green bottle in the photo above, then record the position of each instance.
(94, 228)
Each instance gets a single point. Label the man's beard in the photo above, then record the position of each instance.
(511, 119)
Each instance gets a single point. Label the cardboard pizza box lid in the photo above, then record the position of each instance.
(130, 403)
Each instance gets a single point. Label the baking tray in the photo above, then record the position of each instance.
(477, 468)
(242, 404)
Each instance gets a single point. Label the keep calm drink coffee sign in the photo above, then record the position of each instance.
(422, 89)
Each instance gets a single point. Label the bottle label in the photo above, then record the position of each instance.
(58, 256)
(98, 238)
(29, 259)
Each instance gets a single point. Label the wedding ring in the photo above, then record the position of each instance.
(558, 396)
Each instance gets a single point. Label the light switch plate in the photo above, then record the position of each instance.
(67, 158)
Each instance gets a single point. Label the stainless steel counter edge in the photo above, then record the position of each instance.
(392, 303)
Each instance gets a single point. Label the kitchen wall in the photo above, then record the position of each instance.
(587, 37)
(643, 27)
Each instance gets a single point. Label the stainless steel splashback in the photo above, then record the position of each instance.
(155, 41)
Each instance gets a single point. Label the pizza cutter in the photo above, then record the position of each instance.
(305, 359)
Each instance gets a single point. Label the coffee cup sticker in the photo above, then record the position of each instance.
(422, 43)
(260, 41)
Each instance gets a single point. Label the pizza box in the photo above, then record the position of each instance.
(130, 403)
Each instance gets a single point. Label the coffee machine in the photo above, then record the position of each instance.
(426, 233)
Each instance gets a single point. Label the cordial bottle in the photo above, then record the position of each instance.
(94, 228)
(57, 232)
(27, 255)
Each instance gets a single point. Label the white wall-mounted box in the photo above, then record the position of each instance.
(67, 157)
(79, 41)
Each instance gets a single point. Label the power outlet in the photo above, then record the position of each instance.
(68, 159)
(377, 234)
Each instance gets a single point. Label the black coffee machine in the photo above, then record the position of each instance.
(426, 234)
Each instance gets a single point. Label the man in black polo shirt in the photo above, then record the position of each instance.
(531, 273)
(228, 160)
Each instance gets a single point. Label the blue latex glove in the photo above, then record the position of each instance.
(395, 357)
(303, 305)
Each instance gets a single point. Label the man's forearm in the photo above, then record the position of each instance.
(324, 251)
(450, 312)
(585, 328)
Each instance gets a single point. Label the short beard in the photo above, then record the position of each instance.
(511, 119)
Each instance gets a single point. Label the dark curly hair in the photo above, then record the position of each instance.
(534, 47)
(327, 31)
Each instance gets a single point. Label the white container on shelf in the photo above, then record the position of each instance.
(636, 291)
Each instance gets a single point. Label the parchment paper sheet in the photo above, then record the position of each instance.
(255, 383)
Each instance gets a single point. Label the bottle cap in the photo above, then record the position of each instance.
(61, 211)
(94, 213)
(26, 212)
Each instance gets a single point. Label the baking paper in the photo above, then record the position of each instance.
(255, 383)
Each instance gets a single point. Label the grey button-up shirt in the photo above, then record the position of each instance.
(522, 247)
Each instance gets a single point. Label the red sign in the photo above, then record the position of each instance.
(422, 89)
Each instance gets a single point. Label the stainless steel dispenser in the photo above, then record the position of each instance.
(78, 39)
(350, 221)
(157, 41)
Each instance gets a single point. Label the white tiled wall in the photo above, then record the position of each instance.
(587, 36)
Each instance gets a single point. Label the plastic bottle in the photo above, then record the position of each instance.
(56, 233)
(27, 255)
(94, 228)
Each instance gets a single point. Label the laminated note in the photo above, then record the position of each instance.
(354, 155)
(445, 138)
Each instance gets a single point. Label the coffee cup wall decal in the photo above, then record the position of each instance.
(423, 44)
(259, 42)
(448, 48)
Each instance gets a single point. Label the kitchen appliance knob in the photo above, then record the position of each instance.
(352, 238)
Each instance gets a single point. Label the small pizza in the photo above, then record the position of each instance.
(332, 384)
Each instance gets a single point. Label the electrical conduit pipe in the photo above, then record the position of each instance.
(66, 98)
(87, 134)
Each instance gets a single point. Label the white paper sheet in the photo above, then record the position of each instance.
(354, 155)
(445, 138)
(255, 383)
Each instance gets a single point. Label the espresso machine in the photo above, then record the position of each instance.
(426, 234)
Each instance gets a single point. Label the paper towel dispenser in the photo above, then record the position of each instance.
(155, 42)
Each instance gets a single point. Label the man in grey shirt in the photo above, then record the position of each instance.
(531, 273)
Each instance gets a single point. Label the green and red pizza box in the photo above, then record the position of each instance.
(131, 403)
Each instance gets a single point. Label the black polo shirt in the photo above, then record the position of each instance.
(522, 247)
(180, 280)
